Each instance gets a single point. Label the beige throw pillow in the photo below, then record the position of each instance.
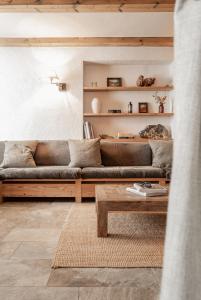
(85, 153)
(17, 155)
(162, 153)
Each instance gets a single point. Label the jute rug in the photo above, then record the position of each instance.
(133, 241)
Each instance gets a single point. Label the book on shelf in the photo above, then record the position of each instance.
(148, 189)
(88, 130)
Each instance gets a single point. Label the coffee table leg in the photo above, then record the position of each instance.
(102, 220)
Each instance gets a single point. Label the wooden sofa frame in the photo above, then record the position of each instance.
(78, 188)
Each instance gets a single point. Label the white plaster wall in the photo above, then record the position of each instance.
(85, 24)
(30, 107)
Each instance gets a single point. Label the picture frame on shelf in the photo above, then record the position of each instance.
(114, 82)
(143, 107)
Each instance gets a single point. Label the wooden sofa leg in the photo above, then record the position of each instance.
(162, 182)
(78, 191)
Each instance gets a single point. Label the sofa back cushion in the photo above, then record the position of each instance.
(52, 153)
(47, 153)
(126, 154)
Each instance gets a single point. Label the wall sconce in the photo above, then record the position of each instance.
(61, 85)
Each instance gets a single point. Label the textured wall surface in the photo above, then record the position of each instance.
(33, 108)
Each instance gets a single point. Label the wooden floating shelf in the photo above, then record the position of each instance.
(128, 115)
(128, 88)
(131, 140)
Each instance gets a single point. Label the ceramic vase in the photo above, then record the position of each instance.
(96, 105)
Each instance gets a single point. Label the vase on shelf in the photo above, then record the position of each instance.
(161, 108)
(96, 106)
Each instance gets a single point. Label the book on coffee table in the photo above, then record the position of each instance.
(148, 190)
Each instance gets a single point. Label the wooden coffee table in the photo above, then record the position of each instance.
(111, 198)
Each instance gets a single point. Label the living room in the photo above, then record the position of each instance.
(94, 94)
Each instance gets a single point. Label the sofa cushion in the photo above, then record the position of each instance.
(162, 153)
(85, 153)
(44, 172)
(123, 172)
(17, 155)
(1, 173)
(126, 154)
(52, 153)
(2, 148)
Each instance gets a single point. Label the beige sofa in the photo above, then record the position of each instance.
(122, 162)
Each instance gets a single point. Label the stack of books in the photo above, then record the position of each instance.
(148, 189)
(88, 130)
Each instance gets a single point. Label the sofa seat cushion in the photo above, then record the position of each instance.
(123, 172)
(51, 172)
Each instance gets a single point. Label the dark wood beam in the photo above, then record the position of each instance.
(88, 42)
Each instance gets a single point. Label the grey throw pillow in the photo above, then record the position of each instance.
(17, 155)
(85, 153)
(162, 153)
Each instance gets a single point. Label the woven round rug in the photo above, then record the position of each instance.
(133, 240)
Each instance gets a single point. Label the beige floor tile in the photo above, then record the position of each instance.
(35, 217)
(34, 202)
(24, 272)
(105, 277)
(31, 235)
(7, 249)
(117, 294)
(11, 203)
(29, 232)
(5, 229)
(35, 250)
(39, 293)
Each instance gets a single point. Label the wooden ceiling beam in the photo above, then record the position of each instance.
(86, 5)
(88, 42)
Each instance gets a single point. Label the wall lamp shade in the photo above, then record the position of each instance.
(61, 85)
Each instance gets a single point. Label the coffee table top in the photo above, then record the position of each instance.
(118, 193)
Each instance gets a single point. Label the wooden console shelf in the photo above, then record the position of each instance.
(128, 115)
(137, 138)
(128, 88)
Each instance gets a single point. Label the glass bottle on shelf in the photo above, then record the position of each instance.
(130, 107)
(161, 108)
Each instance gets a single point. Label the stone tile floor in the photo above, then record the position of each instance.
(29, 232)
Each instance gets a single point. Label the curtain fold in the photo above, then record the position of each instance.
(182, 262)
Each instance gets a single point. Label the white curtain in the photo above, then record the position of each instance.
(182, 263)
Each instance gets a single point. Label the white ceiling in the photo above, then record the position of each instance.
(85, 24)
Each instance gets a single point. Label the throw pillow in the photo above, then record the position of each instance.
(17, 155)
(162, 153)
(52, 153)
(85, 153)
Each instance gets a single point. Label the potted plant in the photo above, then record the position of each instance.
(161, 100)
